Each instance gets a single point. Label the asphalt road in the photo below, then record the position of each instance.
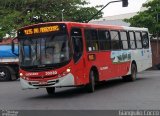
(144, 93)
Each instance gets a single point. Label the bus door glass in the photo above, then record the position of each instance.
(146, 49)
(77, 44)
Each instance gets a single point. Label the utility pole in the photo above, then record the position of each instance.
(158, 36)
(62, 14)
(157, 17)
(157, 40)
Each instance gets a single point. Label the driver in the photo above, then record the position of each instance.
(48, 56)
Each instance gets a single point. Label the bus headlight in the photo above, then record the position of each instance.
(21, 74)
(68, 70)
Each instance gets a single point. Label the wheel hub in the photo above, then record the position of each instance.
(2, 74)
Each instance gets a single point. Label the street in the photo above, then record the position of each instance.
(144, 93)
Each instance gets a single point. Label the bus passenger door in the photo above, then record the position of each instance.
(77, 44)
(146, 53)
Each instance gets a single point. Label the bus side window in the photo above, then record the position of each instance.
(145, 40)
(27, 50)
(91, 39)
(124, 40)
(132, 40)
(115, 40)
(138, 39)
(76, 36)
(104, 40)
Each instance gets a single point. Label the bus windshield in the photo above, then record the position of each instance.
(42, 51)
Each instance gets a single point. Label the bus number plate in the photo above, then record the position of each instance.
(43, 83)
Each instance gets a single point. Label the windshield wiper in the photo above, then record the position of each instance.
(41, 66)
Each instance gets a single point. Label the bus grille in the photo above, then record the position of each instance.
(38, 84)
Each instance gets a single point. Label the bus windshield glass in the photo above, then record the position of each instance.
(44, 50)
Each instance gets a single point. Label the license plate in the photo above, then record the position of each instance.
(43, 83)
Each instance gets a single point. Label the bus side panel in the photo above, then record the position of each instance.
(110, 65)
(103, 63)
(143, 59)
(121, 60)
(106, 68)
(124, 68)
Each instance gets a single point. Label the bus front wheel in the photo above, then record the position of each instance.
(91, 85)
(50, 90)
(133, 74)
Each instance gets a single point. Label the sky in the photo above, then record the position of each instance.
(116, 8)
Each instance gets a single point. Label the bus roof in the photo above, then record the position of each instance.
(90, 25)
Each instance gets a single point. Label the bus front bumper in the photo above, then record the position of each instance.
(67, 80)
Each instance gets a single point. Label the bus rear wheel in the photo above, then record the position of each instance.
(91, 85)
(50, 90)
(133, 75)
(5, 74)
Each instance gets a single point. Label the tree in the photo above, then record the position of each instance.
(148, 18)
(18, 13)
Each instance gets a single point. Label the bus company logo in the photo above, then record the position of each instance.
(104, 68)
(31, 74)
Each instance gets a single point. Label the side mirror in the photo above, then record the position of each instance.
(124, 3)
(151, 36)
(15, 47)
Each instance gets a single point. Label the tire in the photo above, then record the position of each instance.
(91, 85)
(5, 74)
(50, 90)
(133, 75)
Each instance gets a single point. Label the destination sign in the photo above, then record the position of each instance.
(38, 30)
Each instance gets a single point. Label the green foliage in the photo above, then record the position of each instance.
(18, 13)
(148, 18)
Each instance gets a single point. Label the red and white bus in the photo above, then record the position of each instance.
(65, 54)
